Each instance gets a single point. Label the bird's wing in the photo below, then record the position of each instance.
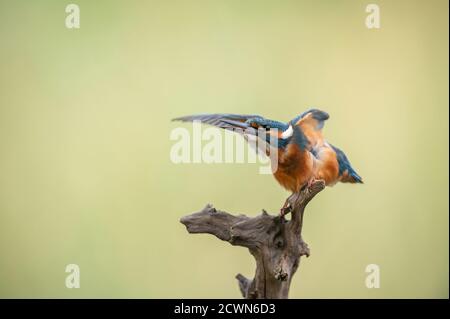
(346, 172)
(233, 121)
(225, 121)
(248, 125)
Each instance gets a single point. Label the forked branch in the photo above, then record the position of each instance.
(275, 243)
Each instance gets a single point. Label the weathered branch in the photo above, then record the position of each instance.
(275, 243)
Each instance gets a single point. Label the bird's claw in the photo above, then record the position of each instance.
(286, 209)
(311, 182)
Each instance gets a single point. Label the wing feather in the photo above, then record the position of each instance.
(244, 124)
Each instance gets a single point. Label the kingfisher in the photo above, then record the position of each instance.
(303, 154)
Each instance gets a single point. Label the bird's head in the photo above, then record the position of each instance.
(312, 117)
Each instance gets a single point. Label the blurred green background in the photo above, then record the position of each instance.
(85, 174)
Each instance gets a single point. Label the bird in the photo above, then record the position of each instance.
(303, 154)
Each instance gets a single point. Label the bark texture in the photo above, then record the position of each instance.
(275, 243)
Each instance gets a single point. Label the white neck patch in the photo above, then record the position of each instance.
(288, 133)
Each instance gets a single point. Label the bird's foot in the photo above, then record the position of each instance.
(311, 182)
(286, 209)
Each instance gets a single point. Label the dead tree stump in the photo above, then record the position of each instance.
(275, 243)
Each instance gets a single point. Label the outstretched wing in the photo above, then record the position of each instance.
(248, 125)
(225, 121)
(234, 121)
(346, 172)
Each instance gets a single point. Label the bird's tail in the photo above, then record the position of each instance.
(346, 171)
(350, 176)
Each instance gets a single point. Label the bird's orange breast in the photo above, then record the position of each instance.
(295, 168)
(327, 167)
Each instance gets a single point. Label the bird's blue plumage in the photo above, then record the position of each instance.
(266, 123)
(299, 138)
